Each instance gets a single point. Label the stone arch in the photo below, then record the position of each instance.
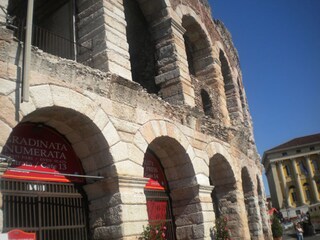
(263, 210)
(231, 88)
(85, 137)
(251, 204)
(93, 137)
(197, 47)
(226, 194)
(141, 46)
(175, 154)
(223, 180)
(63, 109)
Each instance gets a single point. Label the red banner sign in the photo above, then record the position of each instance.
(17, 234)
(153, 170)
(157, 210)
(41, 153)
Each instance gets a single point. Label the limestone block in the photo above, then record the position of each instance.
(192, 218)
(120, 50)
(117, 9)
(96, 143)
(198, 231)
(94, 22)
(142, 116)
(135, 154)
(4, 133)
(117, 40)
(156, 128)
(190, 152)
(130, 168)
(100, 119)
(148, 133)
(62, 128)
(120, 151)
(117, 58)
(120, 70)
(74, 137)
(81, 149)
(202, 178)
(185, 232)
(140, 142)
(7, 87)
(107, 232)
(41, 96)
(117, 27)
(129, 213)
(86, 12)
(8, 111)
(133, 228)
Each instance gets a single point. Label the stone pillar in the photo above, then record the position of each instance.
(254, 218)
(265, 218)
(102, 28)
(298, 181)
(207, 211)
(283, 185)
(313, 183)
(117, 207)
(173, 79)
(275, 188)
(217, 84)
(3, 9)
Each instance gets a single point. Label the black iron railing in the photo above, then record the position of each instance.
(51, 42)
(51, 210)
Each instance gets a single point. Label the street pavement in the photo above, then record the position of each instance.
(290, 235)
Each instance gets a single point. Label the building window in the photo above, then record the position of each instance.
(307, 194)
(294, 197)
(312, 148)
(315, 165)
(284, 154)
(303, 169)
(206, 103)
(288, 171)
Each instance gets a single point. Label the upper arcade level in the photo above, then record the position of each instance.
(172, 49)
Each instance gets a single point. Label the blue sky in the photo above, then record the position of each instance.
(279, 47)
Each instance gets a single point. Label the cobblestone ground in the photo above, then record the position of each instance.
(290, 235)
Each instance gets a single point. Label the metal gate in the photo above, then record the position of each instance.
(54, 211)
(162, 196)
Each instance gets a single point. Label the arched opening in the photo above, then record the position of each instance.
(141, 47)
(179, 173)
(224, 195)
(263, 211)
(249, 200)
(197, 47)
(306, 192)
(158, 196)
(228, 83)
(42, 189)
(91, 147)
(53, 25)
(206, 103)
(293, 196)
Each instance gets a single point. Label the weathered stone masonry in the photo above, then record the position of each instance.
(181, 95)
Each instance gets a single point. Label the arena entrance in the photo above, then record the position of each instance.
(158, 199)
(42, 188)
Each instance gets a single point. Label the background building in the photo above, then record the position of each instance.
(293, 174)
(132, 112)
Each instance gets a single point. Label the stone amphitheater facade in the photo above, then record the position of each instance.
(158, 76)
